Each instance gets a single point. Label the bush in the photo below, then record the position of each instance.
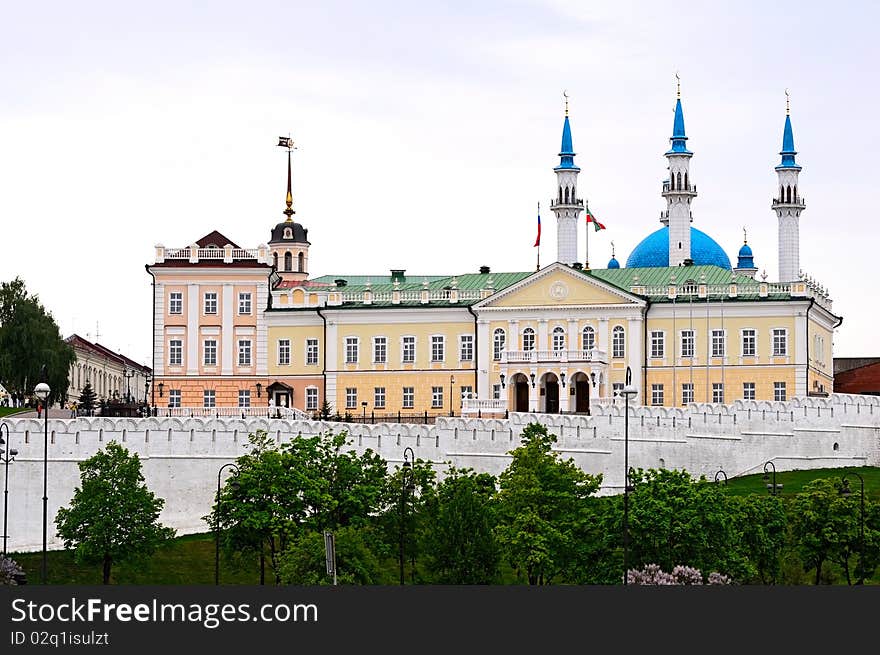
(652, 574)
(10, 572)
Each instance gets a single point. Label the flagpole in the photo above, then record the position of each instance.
(587, 240)
(538, 267)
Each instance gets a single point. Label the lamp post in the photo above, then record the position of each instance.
(721, 474)
(451, 406)
(406, 484)
(42, 391)
(147, 379)
(128, 373)
(6, 455)
(217, 523)
(629, 391)
(364, 405)
(772, 487)
(846, 492)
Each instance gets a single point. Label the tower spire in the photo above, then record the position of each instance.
(678, 189)
(565, 95)
(788, 203)
(287, 142)
(567, 206)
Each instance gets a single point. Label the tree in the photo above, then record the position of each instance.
(29, 339)
(88, 399)
(304, 563)
(113, 516)
(762, 526)
(541, 504)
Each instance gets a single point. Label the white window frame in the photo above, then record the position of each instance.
(245, 306)
(408, 395)
(210, 302)
(311, 399)
(437, 400)
(466, 389)
(749, 391)
(658, 344)
(780, 391)
(496, 392)
(351, 397)
(205, 343)
(244, 397)
(466, 348)
(499, 342)
(175, 301)
(618, 349)
(754, 342)
(690, 335)
(784, 335)
(174, 398)
(616, 388)
(405, 349)
(687, 393)
(716, 332)
(438, 342)
(657, 395)
(245, 353)
(380, 357)
(530, 331)
(717, 387)
(312, 352)
(557, 339)
(379, 397)
(209, 398)
(283, 349)
(585, 347)
(352, 350)
(178, 350)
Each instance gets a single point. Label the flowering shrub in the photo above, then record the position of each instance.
(652, 574)
(9, 571)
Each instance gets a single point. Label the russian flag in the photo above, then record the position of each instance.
(538, 239)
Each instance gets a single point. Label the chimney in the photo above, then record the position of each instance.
(484, 270)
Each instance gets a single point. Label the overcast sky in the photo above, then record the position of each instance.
(426, 132)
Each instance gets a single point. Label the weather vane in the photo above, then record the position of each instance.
(287, 142)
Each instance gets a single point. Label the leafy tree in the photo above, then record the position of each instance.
(29, 339)
(88, 399)
(304, 563)
(762, 525)
(541, 504)
(325, 412)
(113, 516)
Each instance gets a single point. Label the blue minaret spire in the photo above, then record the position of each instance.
(678, 137)
(788, 205)
(566, 205)
(566, 152)
(679, 189)
(788, 152)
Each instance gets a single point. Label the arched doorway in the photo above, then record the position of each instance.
(550, 393)
(580, 389)
(519, 389)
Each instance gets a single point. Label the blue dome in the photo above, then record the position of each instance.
(745, 251)
(653, 251)
(613, 263)
(745, 257)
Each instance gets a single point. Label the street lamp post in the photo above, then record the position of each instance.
(42, 391)
(629, 391)
(6, 455)
(846, 492)
(451, 406)
(721, 474)
(217, 523)
(772, 487)
(364, 405)
(406, 484)
(128, 373)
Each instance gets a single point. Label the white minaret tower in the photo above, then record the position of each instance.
(678, 191)
(567, 206)
(788, 205)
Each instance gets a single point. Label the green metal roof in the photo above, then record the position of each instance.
(662, 275)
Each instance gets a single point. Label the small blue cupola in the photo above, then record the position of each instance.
(566, 153)
(613, 263)
(745, 257)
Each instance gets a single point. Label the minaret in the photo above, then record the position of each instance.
(788, 205)
(567, 206)
(678, 190)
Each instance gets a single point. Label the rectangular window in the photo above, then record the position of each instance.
(244, 302)
(174, 398)
(244, 352)
(408, 352)
(687, 343)
(687, 393)
(779, 391)
(175, 352)
(780, 342)
(351, 350)
(656, 394)
(210, 352)
(496, 392)
(467, 347)
(748, 390)
(311, 351)
(283, 352)
(379, 397)
(409, 397)
(717, 392)
(528, 339)
(717, 343)
(244, 397)
(749, 341)
(467, 392)
(380, 350)
(437, 397)
(438, 348)
(616, 388)
(175, 302)
(311, 399)
(210, 303)
(209, 398)
(351, 398)
(658, 344)
(499, 338)
(618, 339)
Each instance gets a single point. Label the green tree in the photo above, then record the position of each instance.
(762, 525)
(541, 505)
(88, 399)
(113, 516)
(29, 339)
(304, 563)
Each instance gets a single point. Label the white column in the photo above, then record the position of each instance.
(572, 338)
(564, 391)
(602, 337)
(541, 337)
(799, 347)
(483, 346)
(261, 347)
(193, 305)
(158, 331)
(330, 353)
(533, 394)
(634, 354)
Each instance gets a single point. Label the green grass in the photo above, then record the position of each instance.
(8, 411)
(793, 481)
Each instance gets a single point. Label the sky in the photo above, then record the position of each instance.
(426, 134)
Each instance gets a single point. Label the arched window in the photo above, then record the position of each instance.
(558, 338)
(499, 338)
(301, 262)
(528, 339)
(788, 194)
(275, 260)
(588, 339)
(288, 233)
(566, 195)
(618, 339)
(781, 194)
(686, 187)
(288, 261)
(678, 181)
(560, 195)
(795, 193)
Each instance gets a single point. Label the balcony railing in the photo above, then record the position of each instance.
(489, 405)
(233, 412)
(556, 356)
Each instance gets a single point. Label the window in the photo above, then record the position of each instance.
(748, 390)
(748, 343)
(351, 350)
(379, 397)
(283, 352)
(498, 339)
(687, 343)
(409, 397)
(311, 351)
(244, 303)
(175, 352)
(616, 388)
(244, 352)
(528, 339)
(438, 348)
(656, 394)
(467, 347)
(617, 342)
(467, 391)
(380, 350)
(351, 398)
(717, 343)
(210, 352)
(496, 392)
(244, 397)
(436, 397)
(174, 398)
(209, 398)
(175, 302)
(588, 339)
(687, 393)
(408, 351)
(558, 338)
(288, 261)
(211, 303)
(311, 398)
(780, 342)
(717, 392)
(779, 391)
(658, 344)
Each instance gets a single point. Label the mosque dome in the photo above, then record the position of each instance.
(745, 257)
(613, 263)
(745, 251)
(653, 251)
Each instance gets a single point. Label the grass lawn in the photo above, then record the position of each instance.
(794, 481)
(8, 411)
